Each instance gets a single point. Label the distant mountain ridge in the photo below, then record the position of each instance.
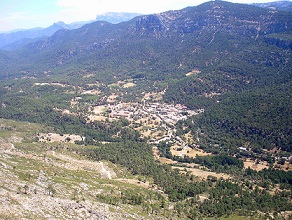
(16, 39)
(213, 18)
(277, 5)
(8, 38)
(116, 17)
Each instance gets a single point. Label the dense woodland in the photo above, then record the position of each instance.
(226, 196)
(247, 102)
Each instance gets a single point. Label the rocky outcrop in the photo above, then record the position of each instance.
(283, 43)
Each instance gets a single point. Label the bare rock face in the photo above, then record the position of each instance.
(52, 186)
(279, 42)
(220, 16)
(34, 206)
(15, 139)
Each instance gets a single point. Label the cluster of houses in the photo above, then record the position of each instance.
(169, 114)
(153, 115)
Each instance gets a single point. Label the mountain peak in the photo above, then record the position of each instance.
(277, 5)
(116, 17)
(61, 23)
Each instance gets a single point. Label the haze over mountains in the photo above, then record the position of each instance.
(116, 17)
(22, 37)
(279, 5)
(15, 39)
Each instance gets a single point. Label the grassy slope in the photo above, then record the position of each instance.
(75, 180)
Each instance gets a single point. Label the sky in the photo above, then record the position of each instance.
(25, 14)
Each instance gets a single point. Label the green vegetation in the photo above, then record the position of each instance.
(260, 117)
(138, 159)
(226, 197)
(241, 65)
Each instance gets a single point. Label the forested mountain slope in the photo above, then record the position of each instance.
(157, 45)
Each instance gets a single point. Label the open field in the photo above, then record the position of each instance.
(53, 137)
(98, 118)
(255, 166)
(187, 151)
(128, 85)
(203, 174)
(193, 72)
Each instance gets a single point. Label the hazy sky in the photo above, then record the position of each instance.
(23, 14)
